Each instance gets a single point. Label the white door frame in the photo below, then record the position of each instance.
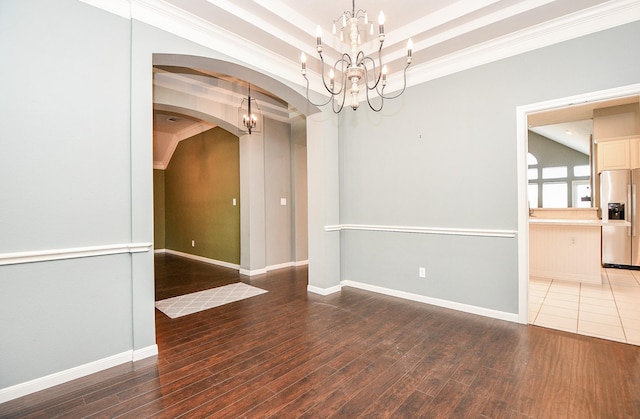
(522, 149)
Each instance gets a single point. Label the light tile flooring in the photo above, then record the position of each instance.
(609, 311)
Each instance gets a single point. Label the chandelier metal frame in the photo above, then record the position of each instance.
(355, 66)
(249, 118)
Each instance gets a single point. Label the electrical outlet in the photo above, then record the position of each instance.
(193, 243)
(422, 272)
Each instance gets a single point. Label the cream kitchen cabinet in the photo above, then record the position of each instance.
(634, 149)
(621, 153)
(567, 250)
(613, 155)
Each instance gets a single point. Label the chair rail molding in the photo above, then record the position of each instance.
(448, 231)
(72, 253)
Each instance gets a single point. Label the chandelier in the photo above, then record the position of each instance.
(354, 67)
(249, 114)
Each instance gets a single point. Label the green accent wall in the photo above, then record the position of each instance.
(200, 184)
(158, 209)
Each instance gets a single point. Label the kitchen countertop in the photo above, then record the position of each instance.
(586, 223)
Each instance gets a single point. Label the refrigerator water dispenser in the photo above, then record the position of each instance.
(616, 211)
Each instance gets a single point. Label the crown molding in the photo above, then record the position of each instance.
(592, 20)
(169, 18)
(304, 24)
(188, 132)
(174, 20)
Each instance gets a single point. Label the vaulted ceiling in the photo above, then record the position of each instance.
(448, 36)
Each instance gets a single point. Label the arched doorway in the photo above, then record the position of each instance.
(272, 196)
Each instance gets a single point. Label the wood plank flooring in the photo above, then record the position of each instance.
(289, 354)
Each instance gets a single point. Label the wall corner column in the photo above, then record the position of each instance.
(142, 266)
(324, 200)
(252, 205)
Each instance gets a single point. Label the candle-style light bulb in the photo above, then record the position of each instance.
(354, 101)
(303, 60)
(384, 75)
(409, 50)
(332, 76)
(319, 38)
(381, 26)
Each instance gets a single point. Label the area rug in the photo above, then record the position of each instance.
(203, 300)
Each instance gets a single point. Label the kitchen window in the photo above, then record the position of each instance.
(554, 195)
(533, 195)
(559, 172)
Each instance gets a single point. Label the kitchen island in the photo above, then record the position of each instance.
(567, 249)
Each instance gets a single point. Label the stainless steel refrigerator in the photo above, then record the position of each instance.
(619, 201)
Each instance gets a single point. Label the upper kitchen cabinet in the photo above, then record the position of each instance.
(634, 149)
(616, 132)
(613, 155)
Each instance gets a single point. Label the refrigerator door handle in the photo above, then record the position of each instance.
(633, 210)
(629, 216)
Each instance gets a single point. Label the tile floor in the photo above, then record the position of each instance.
(609, 311)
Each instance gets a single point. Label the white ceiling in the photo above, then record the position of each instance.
(439, 29)
(574, 134)
(448, 36)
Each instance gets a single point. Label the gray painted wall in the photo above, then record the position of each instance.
(66, 163)
(462, 172)
(70, 171)
(58, 315)
(277, 184)
(299, 157)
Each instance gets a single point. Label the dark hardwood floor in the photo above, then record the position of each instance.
(291, 354)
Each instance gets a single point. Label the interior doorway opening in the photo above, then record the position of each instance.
(264, 215)
(569, 108)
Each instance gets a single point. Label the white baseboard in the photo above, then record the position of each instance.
(269, 268)
(248, 272)
(279, 266)
(203, 259)
(144, 353)
(323, 291)
(253, 272)
(42, 383)
(495, 314)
